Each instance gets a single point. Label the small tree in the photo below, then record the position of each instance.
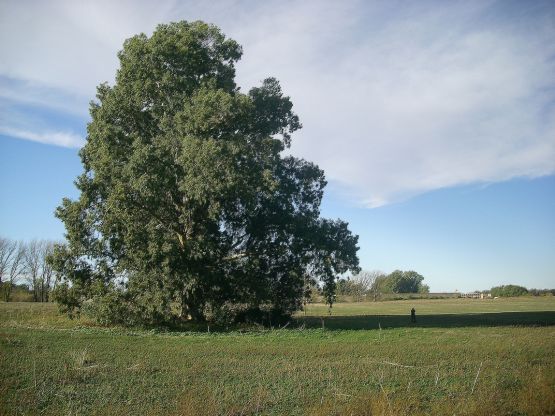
(16, 270)
(32, 267)
(38, 270)
(46, 271)
(11, 265)
(7, 251)
(367, 281)
(423, 288)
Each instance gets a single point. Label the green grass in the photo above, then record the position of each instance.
(51, 365)
(438, 306)
(442, 313)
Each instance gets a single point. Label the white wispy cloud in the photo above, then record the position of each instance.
(57, 138)
(396, 99)
(38, 95)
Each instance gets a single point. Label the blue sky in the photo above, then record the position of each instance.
(434, 121)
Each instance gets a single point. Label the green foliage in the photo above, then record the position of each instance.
(68, 299)
(423, 288)
(401, 282)
(185, 197)
(508, 291)
(344, 287)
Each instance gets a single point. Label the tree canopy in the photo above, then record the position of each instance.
(401, 282)
(186, 198)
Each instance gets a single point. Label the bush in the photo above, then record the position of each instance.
(68, 299)
(111, 305)
(118, 307)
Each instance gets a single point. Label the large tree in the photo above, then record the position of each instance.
(186, 198)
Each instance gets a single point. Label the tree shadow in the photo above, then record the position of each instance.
(542, 318)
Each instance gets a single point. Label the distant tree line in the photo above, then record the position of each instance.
(24, 265)
(373, 284)
(516, 290)
(541, 292)
(508, 291)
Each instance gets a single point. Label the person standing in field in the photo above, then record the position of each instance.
(413, 315)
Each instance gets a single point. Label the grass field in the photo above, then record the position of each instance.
(462, 357)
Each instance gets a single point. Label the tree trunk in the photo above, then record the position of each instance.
(192, 306)
(35, 290)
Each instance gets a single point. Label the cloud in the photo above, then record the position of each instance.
(431, 98)
(424, 101)
(396, 99)
(28, 93)
(57, 138)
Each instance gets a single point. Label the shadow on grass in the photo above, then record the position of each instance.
(430, 321)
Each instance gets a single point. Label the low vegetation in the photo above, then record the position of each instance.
(447, 363)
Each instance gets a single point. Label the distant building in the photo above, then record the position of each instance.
(476, 295)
